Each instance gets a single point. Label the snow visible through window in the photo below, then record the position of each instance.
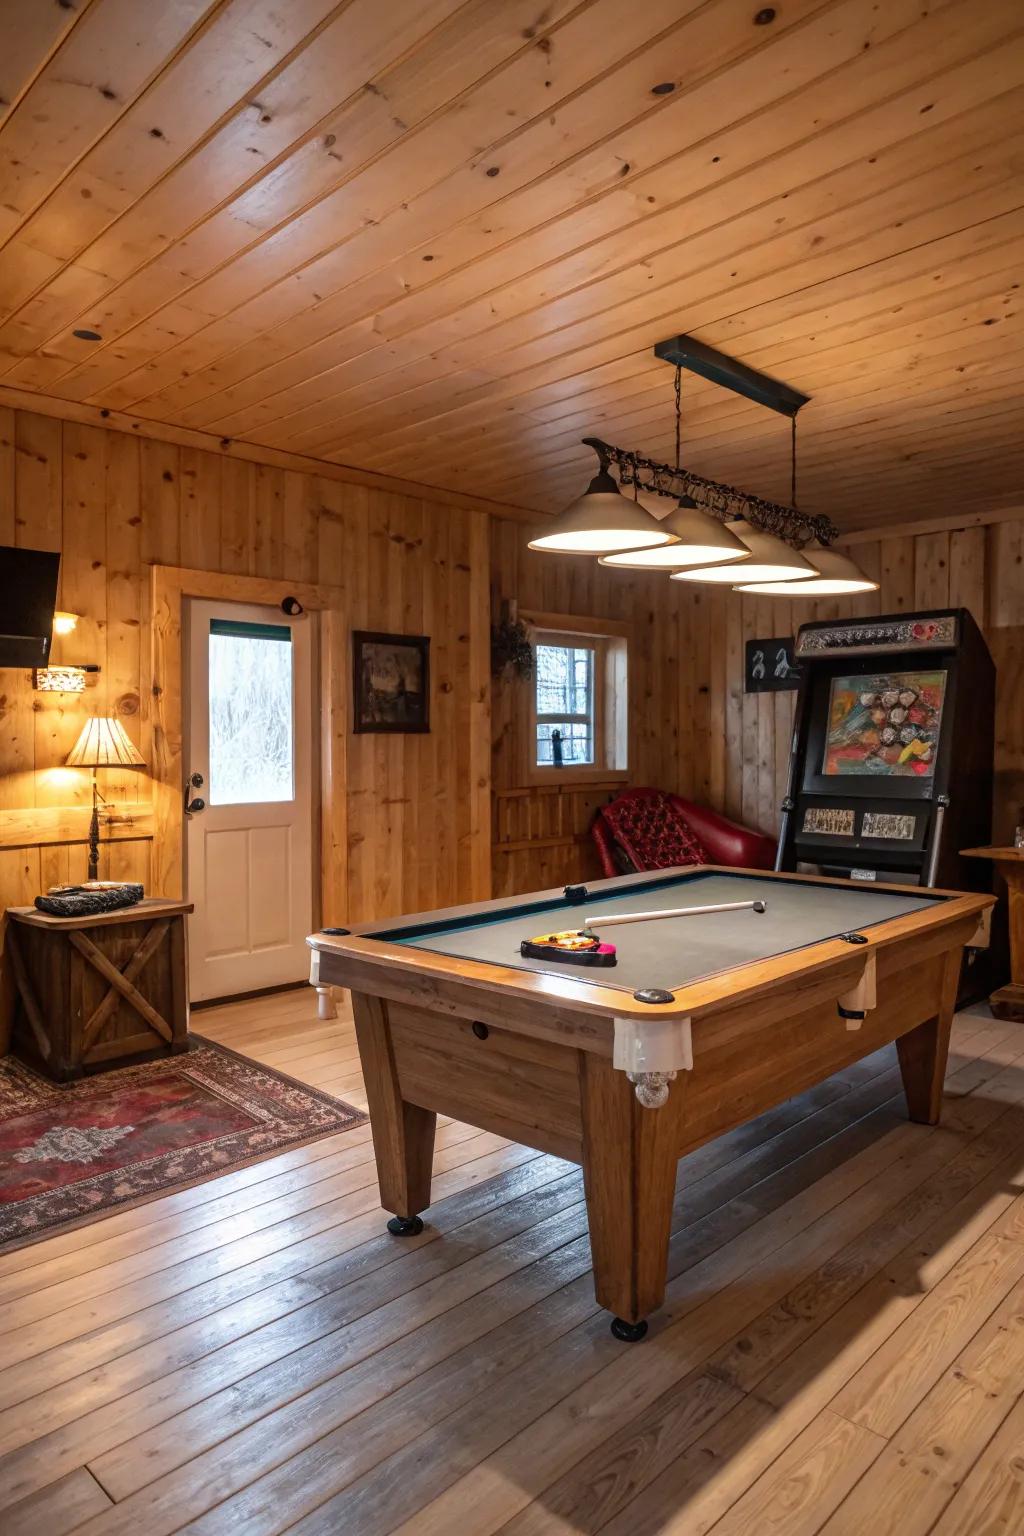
(251, 747)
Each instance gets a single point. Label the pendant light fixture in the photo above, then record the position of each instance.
(771, 559)
(600, 521)
(837, 576)
(698, 539)
(724, 535)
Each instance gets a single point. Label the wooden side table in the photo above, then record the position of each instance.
(1008, 1002)
(101, 991)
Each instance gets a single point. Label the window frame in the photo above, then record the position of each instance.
(609, 640)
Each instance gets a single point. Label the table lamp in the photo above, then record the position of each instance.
(103, 743)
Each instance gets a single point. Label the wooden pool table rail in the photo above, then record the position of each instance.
(363, 960)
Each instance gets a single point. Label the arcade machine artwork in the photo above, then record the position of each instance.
(885, 723)
(891, 773)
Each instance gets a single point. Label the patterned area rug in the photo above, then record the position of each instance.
(72, 1153)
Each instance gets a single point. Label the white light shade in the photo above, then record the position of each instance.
(64, 623)
(104, 743)
(771, 559)
(837, 574)
(703, 540)
(601, 520)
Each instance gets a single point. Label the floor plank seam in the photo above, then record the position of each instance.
(98, 1481)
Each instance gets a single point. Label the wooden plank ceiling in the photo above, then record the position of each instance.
(439, 238)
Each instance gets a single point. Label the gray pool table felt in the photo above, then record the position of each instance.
(675, 951)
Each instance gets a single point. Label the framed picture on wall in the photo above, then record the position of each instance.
(390, 682)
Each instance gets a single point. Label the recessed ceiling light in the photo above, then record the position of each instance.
(87, 335)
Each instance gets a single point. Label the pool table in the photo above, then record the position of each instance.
(702, 1022)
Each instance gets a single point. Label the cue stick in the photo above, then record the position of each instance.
(648, 917)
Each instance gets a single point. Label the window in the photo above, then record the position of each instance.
(576, 725)
(251, 747)
(565, 704)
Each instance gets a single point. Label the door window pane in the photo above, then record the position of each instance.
(251, 713)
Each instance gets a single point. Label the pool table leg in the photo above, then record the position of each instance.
(924, 1051)
(403, 1133)
(629, 1177)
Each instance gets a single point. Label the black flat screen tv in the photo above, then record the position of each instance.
(28, 596)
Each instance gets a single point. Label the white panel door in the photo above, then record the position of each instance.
(249, 845)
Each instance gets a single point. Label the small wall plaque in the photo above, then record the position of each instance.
(829, 820)
(888, 824)
(770, 666)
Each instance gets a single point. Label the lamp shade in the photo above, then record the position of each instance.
(700, 540)
(837, 574)
(599, 521)
(771, 559)
(104, 743)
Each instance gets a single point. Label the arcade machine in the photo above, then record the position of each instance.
(891, 773)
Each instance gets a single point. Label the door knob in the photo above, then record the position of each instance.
(194, 803)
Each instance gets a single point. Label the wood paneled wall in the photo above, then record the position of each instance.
(113, 504)
(541, 835)
(693, 729)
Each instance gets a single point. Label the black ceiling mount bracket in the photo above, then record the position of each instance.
(688, 352)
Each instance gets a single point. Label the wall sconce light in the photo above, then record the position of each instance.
(64, 623)
(64, 679)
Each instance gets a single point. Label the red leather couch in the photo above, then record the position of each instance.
(653, 829)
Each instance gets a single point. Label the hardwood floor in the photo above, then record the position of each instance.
(842, 1348)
